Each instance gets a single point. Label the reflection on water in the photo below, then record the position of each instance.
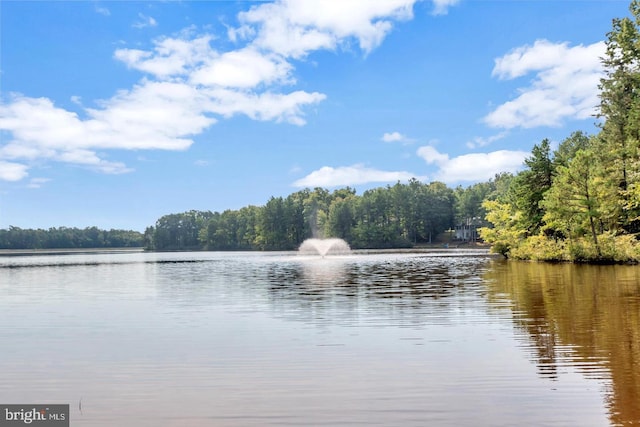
(582, 316)
(406, 290)
(210, 339)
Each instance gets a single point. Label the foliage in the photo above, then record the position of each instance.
(469, 200)
(541, 248)
(582, 204)
(502, 183)
(68, 238)
(581, 215)
(620, 107)
(530, 186)
(574, 203)
(567, 150)
(506, 231)
(178, 231)
(401, 215)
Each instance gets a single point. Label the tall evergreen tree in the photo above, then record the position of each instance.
(573, 204)
(620, 108)
(531, 184)
(569, 147)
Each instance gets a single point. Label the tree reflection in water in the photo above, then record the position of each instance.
(567, 318)
(580, 315)
(409, 290)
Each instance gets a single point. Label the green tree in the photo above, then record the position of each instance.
(378, 224)
(506, 232)
(436, 210)
(298, 229)
(569, 147)
(180, 231)
(575, 202)
(220, 232)
(246, 232)
(620, 108)
(149, 243)
(341, 217)
(316, 206)
(470, 211)
(531, 184)
(273, 226)
(502, 183)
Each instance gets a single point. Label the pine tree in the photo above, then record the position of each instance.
(620, 109)
(531, 184)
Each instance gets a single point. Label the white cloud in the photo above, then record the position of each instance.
(431, 155)
(441, 7)
(294, 28)
(150, 116)
(10, 171)
(244, 68)
(144, 22)
(188, 85)
(328, 176)
(393, 137)
(171, 56)
(195, 60)
(91, 160)
(265, 106)
(565, 84)
(480, 141)
(473, 166)
(37, 182)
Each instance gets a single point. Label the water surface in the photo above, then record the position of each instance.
(238, 339)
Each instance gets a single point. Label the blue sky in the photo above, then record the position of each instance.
(116, 113)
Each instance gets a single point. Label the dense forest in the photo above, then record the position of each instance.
(402, 215)
(68, 238)
(581, 202)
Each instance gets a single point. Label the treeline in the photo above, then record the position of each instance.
(581, 202)
(68, 238)
(401, 215)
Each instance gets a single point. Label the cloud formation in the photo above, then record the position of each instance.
(565, 85)
(188, 85)
(12, 171)
(441, 7)
(394, 137)
(480, 141)
(293, 28)
(328, 176)
(144, 22)
(37, 182)
(472, 167)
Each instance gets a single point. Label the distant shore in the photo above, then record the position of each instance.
(434, 249)
(429, 248)
(68, 251)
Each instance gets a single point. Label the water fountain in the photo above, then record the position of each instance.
(324, 247)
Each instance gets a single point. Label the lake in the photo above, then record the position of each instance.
(442, 338)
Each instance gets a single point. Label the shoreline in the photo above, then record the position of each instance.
(68, 251)
(484, 250)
